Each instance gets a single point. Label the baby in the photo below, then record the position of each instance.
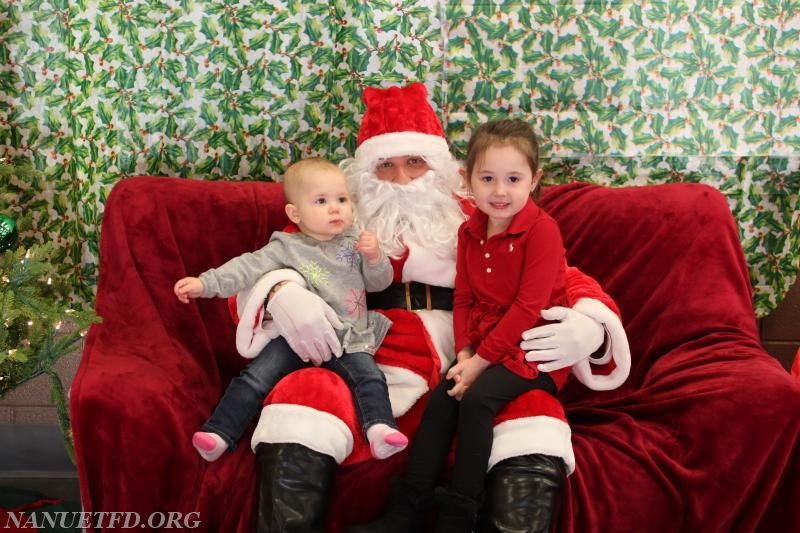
(339, 266)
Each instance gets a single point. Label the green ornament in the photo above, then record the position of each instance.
(8, 233)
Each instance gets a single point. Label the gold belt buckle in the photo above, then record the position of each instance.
(427, 297)
(428, 303)
(408, 296)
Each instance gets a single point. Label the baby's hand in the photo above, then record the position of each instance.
(367, 244)
(188, 288)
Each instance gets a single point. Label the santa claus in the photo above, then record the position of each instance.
(405, 185)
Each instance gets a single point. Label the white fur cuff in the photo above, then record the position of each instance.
(535, 434)
(317, 430)
(618, 348)
(251, 337)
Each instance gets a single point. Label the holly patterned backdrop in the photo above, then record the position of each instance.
(621, 93)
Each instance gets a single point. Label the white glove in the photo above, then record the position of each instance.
(307, 323)
(562, 344)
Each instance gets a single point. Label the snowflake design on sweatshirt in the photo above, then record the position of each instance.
(348, 255)
(356, 303)
(314, 273)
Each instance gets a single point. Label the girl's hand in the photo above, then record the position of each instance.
(187, 288)
(367, 244)
(464, 354)
(454, 372)
(464, 373)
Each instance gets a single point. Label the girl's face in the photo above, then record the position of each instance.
(501, 183)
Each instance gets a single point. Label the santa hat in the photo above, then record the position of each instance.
(399, 121)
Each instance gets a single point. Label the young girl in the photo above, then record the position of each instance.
(510, 266)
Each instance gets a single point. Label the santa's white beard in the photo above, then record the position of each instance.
(424, 211)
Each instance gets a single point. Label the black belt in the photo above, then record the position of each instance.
(411, 296)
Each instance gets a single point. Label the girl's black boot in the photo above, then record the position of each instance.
(405, 511)
(457, 513)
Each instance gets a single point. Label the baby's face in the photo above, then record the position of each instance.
(323, 206)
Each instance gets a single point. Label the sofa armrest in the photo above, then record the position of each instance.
(132, 423)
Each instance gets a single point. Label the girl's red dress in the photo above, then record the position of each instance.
(503, 283)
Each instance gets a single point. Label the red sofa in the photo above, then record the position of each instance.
(704, 435)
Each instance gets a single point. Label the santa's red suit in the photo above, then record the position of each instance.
(313, 408)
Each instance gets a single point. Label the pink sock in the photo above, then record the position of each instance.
(210, 446)
(385, 441)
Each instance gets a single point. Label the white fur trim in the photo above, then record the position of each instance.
(618, 347)
(439, 325)
(606, 357)
(400, 143)
(534, 434)
(251, 340)
(299, 424)
(425, 266)
(405, 388)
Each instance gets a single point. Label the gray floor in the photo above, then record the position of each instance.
(34, 458)
(60, 488)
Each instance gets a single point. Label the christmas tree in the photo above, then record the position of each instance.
(40, 326)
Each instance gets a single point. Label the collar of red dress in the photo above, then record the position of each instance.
(478, 222)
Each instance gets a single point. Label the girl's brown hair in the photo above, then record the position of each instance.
(514, 132)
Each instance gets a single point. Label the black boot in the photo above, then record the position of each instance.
(457, 513)
(405, 510)
(294, 488)
(523, 494)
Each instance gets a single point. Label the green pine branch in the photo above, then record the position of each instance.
(39, 326)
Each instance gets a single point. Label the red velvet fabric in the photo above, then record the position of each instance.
(154, 369)
(704, 436)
